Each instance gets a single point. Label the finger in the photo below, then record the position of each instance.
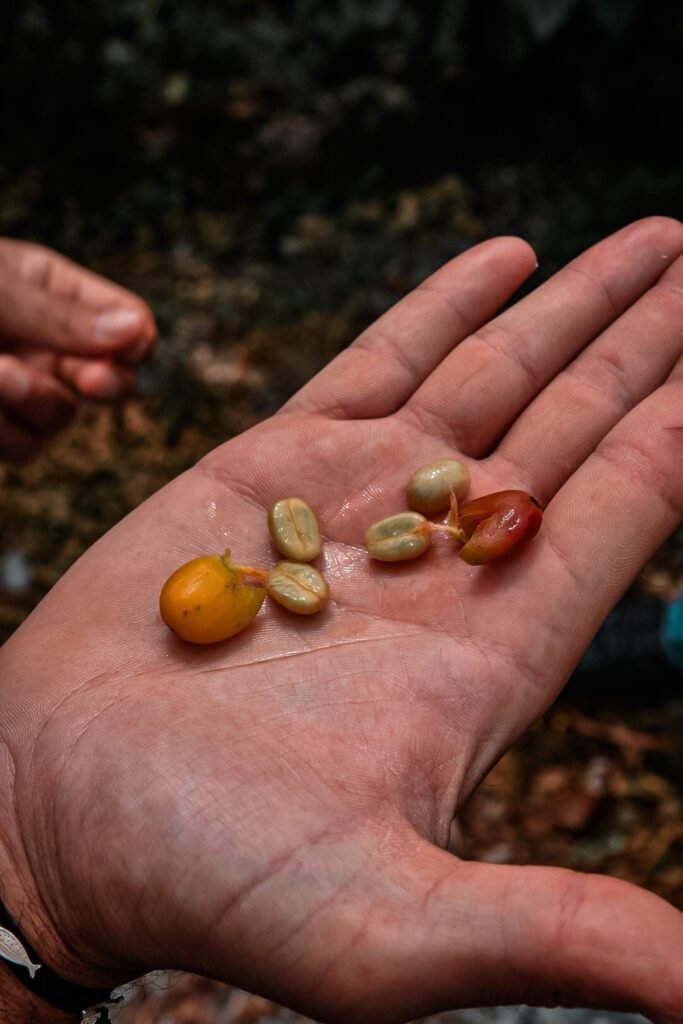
(491, 377)
(106, 379)
(138, 350)
(65, 322)
(98, 379)
(483, 935)
(60, 276)
(16, 443)
(380, 371)
(40, 358)
(570, 417)
(49, 271)
(32, 399)
(598, 531)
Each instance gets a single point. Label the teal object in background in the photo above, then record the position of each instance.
(641, 642)
(672, 632)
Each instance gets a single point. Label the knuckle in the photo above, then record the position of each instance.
(572, 899)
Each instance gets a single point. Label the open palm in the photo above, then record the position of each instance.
(272, 810)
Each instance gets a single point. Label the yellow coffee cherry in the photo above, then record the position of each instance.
(429, 488)
(208, 599)
(294, 529)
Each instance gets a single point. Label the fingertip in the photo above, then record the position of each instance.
(101, 381)
(520, 249)
(139, 349)
(664, 229)
(529, 251)
(508, 257)
(15, 380)
(115, 325)
(118, 327)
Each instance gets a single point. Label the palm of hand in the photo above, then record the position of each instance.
(267, 807)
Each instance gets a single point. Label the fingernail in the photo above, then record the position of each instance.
(14, 383)
(111, 324)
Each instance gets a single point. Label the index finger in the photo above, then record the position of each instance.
(47, 269)
(101, 294)
(84, 294)
(385, 365)
(481, 388)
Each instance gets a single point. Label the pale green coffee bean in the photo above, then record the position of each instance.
(429, 488)
(298, 587)
(399, 537)
(295, 529)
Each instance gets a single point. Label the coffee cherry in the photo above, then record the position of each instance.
(496, 524)
(208, 599)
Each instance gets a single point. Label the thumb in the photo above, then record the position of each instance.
(482, 935)
(66, 323)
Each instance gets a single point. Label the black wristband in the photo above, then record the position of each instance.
(47, 985)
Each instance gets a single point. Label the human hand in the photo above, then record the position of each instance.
(272, 811)
(65, 334)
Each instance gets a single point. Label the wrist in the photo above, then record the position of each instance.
(31, 989)
(26, 916)
(18, 1005)
(29, 968)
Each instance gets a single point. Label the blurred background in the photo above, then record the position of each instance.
(271, 177)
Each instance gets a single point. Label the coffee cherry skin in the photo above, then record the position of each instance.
(496, 524)
(208, 600)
